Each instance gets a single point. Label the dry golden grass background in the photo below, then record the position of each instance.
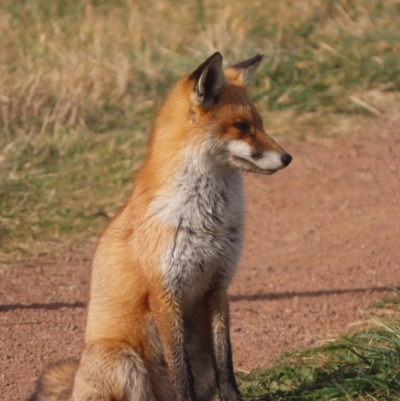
(80, 81)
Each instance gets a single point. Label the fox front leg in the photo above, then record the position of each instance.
(168, 320)
(219, 314)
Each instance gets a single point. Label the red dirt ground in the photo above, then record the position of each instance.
(322, 243)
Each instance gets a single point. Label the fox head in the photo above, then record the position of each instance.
(220, 106)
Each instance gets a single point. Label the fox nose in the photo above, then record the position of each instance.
(286, 159)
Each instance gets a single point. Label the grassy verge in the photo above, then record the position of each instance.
(49, 200)
(362, 366)
(89, 64)
(80, 81)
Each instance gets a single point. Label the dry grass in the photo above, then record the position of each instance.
(83, 64)
(80, 80)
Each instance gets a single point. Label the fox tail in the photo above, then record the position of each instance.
(56, 382)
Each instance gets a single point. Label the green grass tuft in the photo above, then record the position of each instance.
(388, 302)
(362, 366)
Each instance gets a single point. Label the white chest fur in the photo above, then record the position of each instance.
(204, 205)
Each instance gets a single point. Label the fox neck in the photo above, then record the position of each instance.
(199, 189)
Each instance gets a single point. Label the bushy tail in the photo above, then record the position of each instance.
(56, 382)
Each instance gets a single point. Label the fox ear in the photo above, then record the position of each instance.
(241, 73)
(209, 78)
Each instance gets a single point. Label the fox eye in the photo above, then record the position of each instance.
(243, 126)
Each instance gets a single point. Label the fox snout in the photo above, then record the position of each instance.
(256, 160)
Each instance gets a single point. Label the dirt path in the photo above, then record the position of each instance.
(322, 244)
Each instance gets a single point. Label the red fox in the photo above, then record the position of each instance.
(158, 321)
